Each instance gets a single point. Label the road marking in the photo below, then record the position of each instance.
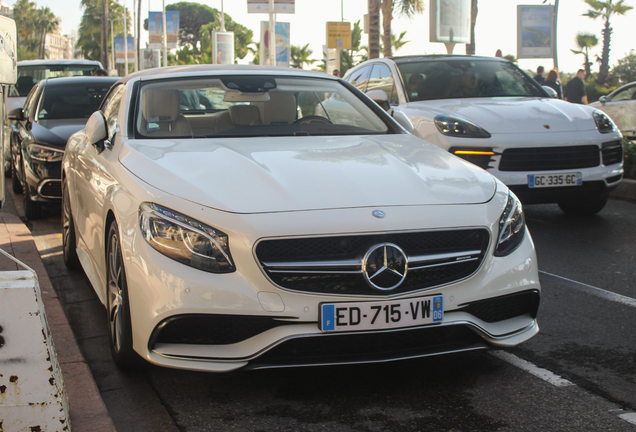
(598, 292)
(543, 374)
(629, 417)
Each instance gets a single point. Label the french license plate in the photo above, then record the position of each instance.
(382, 314)
(555, 180)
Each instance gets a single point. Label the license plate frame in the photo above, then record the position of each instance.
(536, 181)
(382, 314)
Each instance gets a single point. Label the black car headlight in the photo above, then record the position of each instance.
(604, 124)
(453, 126)
(185, 239)
(45, 154)
(512, 227)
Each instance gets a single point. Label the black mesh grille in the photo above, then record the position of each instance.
(364, 347)
(355, 248)
(612, 152)
(505, 307)
(212, 329)
(549, 158)
(51, 189)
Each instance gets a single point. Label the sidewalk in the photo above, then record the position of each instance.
(87, 410)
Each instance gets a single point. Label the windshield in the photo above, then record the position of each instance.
(71, 101)
(28, 76)
(250, 106)
(465, 78)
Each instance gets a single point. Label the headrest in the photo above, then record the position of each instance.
(160, 105)
(244, 115)
(281, 108)
(25, 80)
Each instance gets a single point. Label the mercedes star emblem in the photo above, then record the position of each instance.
(385, 266)
(379, 214)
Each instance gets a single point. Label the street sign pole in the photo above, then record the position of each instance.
(165, 36)
(272, 35)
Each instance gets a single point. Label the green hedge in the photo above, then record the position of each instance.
(630, 159)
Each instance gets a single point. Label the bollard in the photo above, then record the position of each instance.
(32, 393)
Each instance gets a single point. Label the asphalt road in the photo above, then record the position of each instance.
(578, 373)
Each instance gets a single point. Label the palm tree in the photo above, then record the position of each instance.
(605, 10)
(398, 42)
(374, 28)
(89, 40)
(471, 47)
(47, 22)
(585, 41)
(300, 56)
(407, 8)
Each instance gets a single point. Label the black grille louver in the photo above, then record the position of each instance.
(550, 158)
(612, 152)
(505, 307)
(353, 248)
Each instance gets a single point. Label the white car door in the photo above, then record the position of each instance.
(622, 110)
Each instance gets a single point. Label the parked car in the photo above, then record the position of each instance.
(53, 111)
(491, 113)
(254, 233)
(30, 72)
(620, 105)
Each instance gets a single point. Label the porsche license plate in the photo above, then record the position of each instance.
(382, 314)
(555, 180)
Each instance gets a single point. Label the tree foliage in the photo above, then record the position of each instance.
(605, 10)
(625, 70)
(33, 25)
(300, 56)
(584, 42)
(407, 8)
(89, 35)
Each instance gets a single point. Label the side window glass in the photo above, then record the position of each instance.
(360, 78)
(111, 110)
(381, 79)
(29, 101)
(627, 94)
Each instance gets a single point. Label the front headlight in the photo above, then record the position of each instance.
(45, 154)
(185, 239)
(604, 124)
(512, 227)
(452, 126)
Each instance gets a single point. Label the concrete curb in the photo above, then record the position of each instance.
(87, 410)
(626, 190)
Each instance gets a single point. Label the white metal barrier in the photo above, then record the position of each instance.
(32, 393)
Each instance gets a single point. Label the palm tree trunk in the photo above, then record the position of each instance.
(104, 40)
(471, 47)
(374, 28)
(604, 69)
(387, 16)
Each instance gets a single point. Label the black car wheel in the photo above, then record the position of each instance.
(584, 208)
(118, 307)
(16, 186)
(69, 245)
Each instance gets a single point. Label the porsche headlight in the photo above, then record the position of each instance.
(512, 227)
(604, 124)
(185, 239)
(45, 154)
(453, 126)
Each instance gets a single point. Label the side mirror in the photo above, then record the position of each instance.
(603, 100)
(96, 130)
(550, 91)
(379, 97)
(403, 120)
(16, 114)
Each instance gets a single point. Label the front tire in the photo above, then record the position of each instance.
(16, 186)
(584, 208)
(69, 245)
(118, 306)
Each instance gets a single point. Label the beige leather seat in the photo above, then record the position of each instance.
(161, 108)
(237, 116)
(281, 108)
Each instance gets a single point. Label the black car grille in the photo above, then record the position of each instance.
(505, 307)
(369, 347)
(550, 158)
(50, 189)
(350, 250)
(612, 152)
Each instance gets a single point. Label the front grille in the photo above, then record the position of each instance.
(333, 265)
(550, 158)
(612, 152)
(505, 307)
(212, 329)
(50, 189)
(370, 347)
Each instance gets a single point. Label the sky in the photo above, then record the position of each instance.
(496, 26)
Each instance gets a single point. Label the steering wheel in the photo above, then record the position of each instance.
(313, 119)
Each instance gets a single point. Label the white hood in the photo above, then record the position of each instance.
(511, 114)
(258, 175)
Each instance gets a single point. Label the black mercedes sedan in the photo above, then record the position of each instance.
(54, 110)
